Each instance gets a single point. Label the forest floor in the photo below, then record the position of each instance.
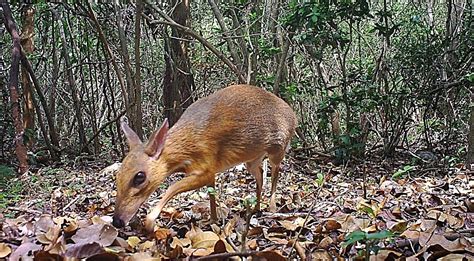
(390, 208)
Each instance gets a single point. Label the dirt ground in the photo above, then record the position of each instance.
(388, 208)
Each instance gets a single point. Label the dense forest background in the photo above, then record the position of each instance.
(364, 77)
(383, 92)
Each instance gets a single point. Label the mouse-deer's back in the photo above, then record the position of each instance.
(233, 125)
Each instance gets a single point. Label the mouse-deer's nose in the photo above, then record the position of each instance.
(117, 222)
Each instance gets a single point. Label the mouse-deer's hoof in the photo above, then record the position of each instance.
(150, 225)
(272, 207)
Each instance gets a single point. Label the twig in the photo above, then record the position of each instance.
(364, 182)
(72, 202)
(105, 126)
(231, 243)
(299, 249)
(225, 256)
(31, 211)
(466, 231)
(296, 214)
(248, 213)
(319, 153)
(186, 30)
(304, 223)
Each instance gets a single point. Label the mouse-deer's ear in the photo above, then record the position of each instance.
(132, 138)
(157, 141)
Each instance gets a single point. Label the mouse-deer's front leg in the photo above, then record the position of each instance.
(190, 182)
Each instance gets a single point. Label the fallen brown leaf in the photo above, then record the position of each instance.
(271, 256)
(23, 250)
(104, 257)
(219, 247)
(321, 255)
(133, 241)
(43, 255)
(84, 250)
(162, 233)
(104, 234)
(142, 257)
(252, 244)
(5, 250)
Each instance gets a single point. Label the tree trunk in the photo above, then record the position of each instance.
(225, 32)
(27, 33)
(131, 88)
(253, 28)
(72, 87)
(178, 81)
(137, 90)
(52, 97)
(470, 149)
(20, 148)
(108, 52)
(3, 90)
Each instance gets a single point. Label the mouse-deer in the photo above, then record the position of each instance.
(237, 124)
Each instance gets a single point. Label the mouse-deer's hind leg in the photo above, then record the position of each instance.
(275, 159)
(255, 168)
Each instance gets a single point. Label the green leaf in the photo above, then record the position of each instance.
(470, 77)
(320, 179)
(355, 236)
(211, 191)
(384, 234)
(368, 210)
(401, 172)
(250, 201)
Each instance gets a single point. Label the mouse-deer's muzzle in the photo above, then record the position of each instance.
(140, 174)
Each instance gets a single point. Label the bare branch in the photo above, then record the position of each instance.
(169, 21)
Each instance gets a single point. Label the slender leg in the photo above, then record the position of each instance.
(255, 168)
(212, 201)
(193, 181)
(275, 160)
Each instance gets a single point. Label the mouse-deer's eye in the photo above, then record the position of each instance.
(139, 178)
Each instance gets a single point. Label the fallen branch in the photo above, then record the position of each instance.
(72, 202)
(313, 205)
(225, 256)
(299, 248)
(248, 215)
(30, 211)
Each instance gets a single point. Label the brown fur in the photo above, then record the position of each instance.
(240, 123)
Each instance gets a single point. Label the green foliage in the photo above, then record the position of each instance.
(470, 77)
(10, 187)
(320, 179)
(457, 158)
(319, 21)
(6, 174)
(268, 80)
(349, 144)
(267, 50)
(28, 135)
(250, 201)
(388, 86)
(400, 173)
(290, 91)
(54, 171)
(211, 191)
(370, 239)
(368, 210)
